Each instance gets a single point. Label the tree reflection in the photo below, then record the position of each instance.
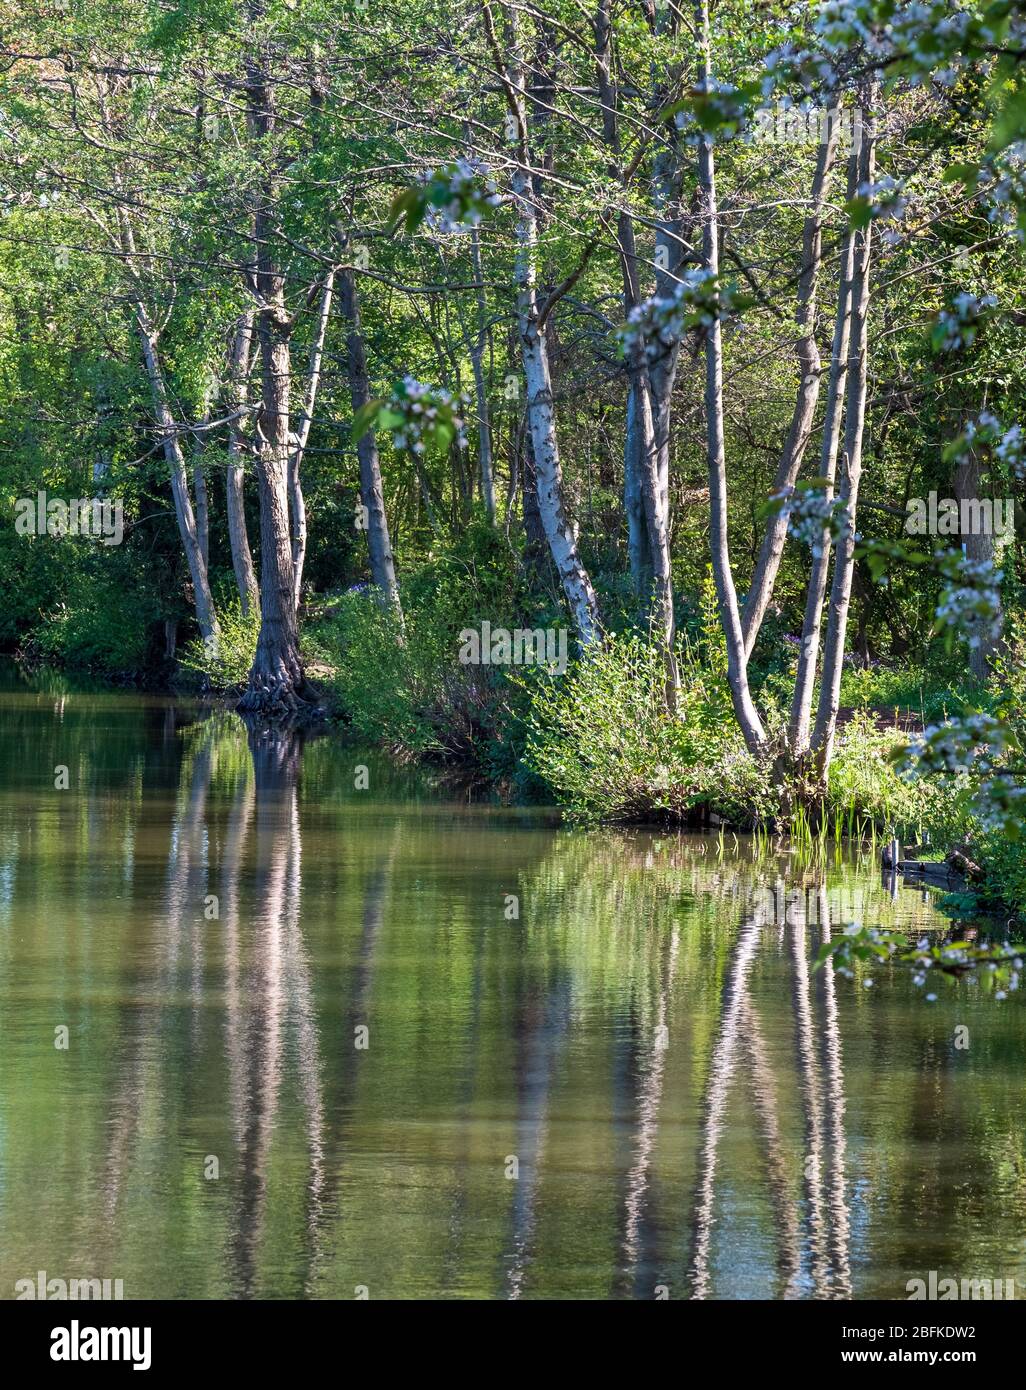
(682, 1093)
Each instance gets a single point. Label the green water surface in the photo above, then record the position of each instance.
(439, 1049)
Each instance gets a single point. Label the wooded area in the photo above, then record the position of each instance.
(697, 330)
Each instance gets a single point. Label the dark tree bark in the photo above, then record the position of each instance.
(277, 685)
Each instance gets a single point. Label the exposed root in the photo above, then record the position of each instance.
(280, 697)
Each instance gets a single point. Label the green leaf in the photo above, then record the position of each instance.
(966, 174)
(364, 419)
(410, 204)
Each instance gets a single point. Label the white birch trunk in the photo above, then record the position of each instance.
(726, 593)
(297, 502)
(372, 496)
(540, 410)
(238, 535)
(854, 426)
(808, 655)
(809, 367)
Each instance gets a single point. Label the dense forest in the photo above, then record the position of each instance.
(619, 399)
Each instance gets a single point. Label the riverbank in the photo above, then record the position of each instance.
(599, 743)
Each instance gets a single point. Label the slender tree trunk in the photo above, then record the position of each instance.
(541, 419)
(854, 426)
(657, 528)
(662, 373)
(302, 435)
(187, 529)
(808, 655)
(372, 495)
(202, 501)
(238, 535)
(635, 445)
(809, 367)
(534, 354)
(669, 253)
(638, 549)
(203, 602)
(477, 349)
(726, 593)
(277, 685)
(645, 451)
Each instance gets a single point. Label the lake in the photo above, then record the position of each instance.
(291, 1020)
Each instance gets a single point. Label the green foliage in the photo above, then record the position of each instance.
(224, 662)
(1004, 863)
(96, 626)
(602, 740)
(998, 967)
(405, 685)
(926, 694)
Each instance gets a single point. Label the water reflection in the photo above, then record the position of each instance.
(311, 1055)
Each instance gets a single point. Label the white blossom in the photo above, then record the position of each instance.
(659, 322)
(811, 516)
(957, 326)
(971, 599)
(421, 411)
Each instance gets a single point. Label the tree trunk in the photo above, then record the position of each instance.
(644, 450)
(477, 348)
(277, 685)
(657, 528)
(809, 367)
(187, 529)
(203, 602)
(372, 495)
(534, 356)
(669, 253)
(302, 435)
(202, 502)
(854, 426)
(730, 618)
(808, 656)
(638, 549)
(238, 535)
(549, 475)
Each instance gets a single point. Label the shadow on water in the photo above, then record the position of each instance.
(315, 1052)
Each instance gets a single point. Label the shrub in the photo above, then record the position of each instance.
(99, 625)
(225, 663)
(863, 786)
(407, 688)
(603, 741)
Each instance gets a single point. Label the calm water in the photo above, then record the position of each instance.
(636, 1082)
